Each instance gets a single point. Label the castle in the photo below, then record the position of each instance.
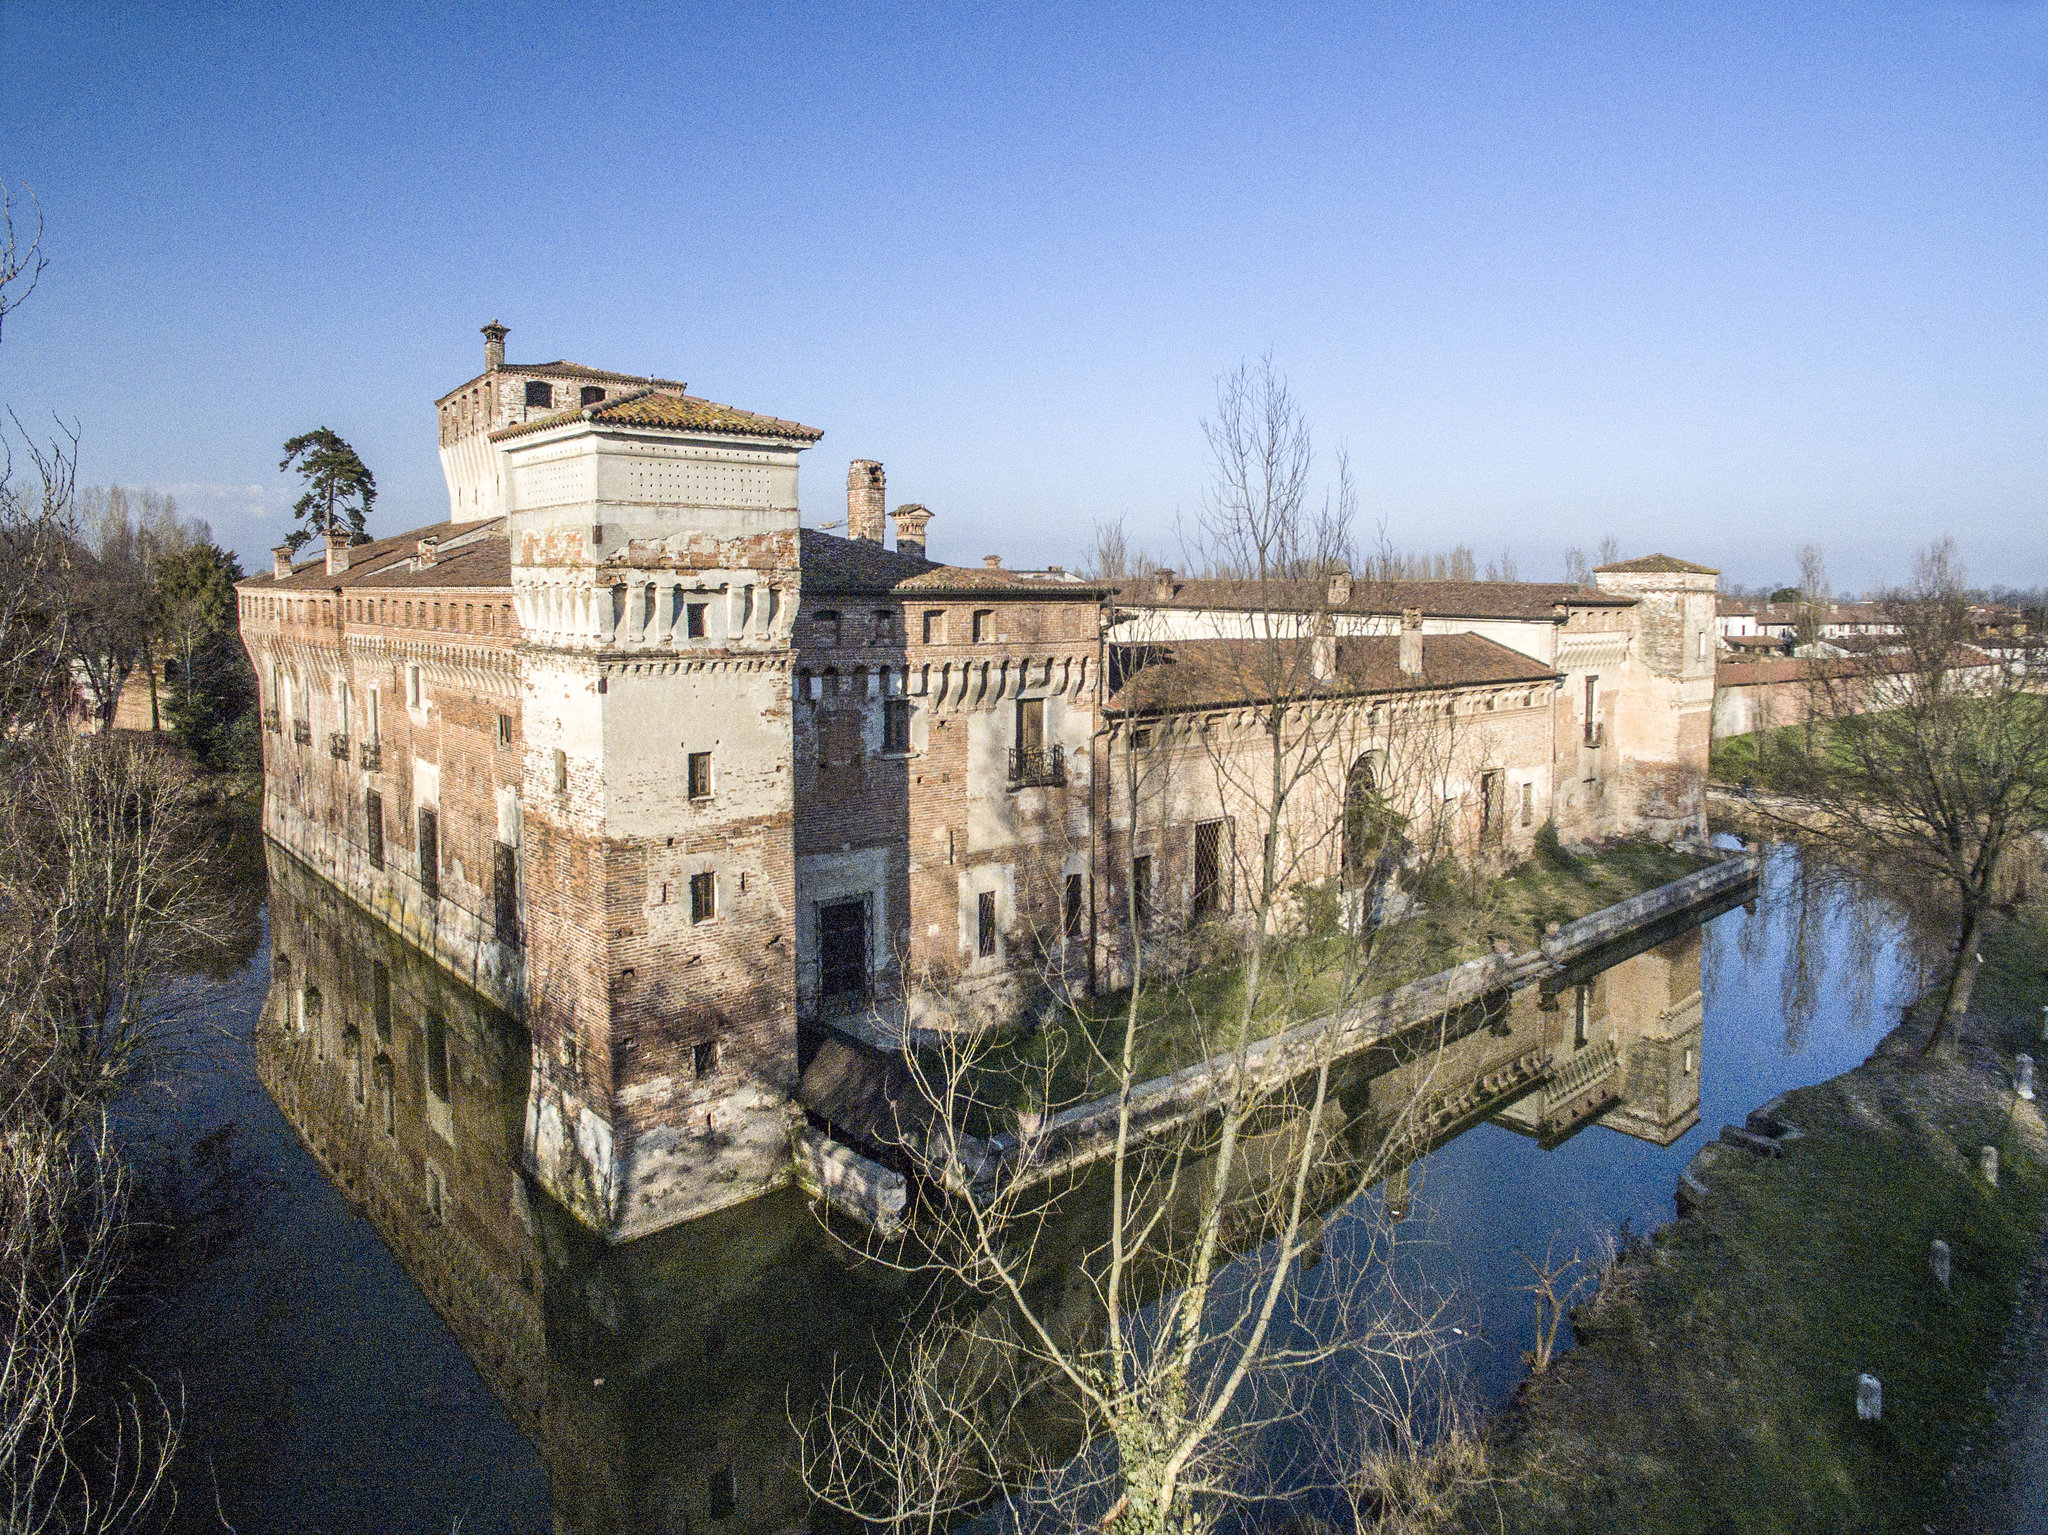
(686, 787)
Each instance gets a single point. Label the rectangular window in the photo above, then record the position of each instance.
(1074, 915)
(1208, 869)
(412, 687)
(429, 848)
(539, 395)
(1581, 1007)
(1031, 726)
(896, 725)
(985, 924)
(561, 771)
(704, 1057)
(935, 627)
(700, 775)
(1141, 890)
(1592, 702)
(504, 730)
(1492, 805)
(703, 896)
(437, 1057)
(825, 629)
(371, 724)
(984, 625)
(724, 1494)
(693, 620)
(380, 1001)
(1528, 804)
(373, 826)
(885, 627)
(505, 894)
(1141, 738)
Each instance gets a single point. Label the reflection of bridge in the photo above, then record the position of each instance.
(864, 1145)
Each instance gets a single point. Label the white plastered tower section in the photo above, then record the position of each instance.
(655, 575)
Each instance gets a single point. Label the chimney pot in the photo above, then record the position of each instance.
(280, 562)
(865, 498)
(494, 346)
(429, 550)
(1340, 588)
(1162, 586)
(337, 555)
(1411, 641)
(910, 523)
(992, 561)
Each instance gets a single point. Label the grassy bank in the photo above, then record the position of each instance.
(1190, 1016)
(1714, 1388)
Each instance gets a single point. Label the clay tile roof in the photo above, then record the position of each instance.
(661, 408)
(834, 566)
(471, 554)
(1436, 599)
(1218, 673)
(1658, 565)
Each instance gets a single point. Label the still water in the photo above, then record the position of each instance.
(394, 1333)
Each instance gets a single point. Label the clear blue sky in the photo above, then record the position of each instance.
(1715, 278)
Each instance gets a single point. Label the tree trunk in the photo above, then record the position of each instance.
(1945, 1042)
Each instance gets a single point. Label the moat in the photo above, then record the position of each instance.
(401, 1332)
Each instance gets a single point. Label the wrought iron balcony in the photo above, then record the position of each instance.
(271, 722)
(1029, 767)
(371, 755)
(337, 745)
(302, 732)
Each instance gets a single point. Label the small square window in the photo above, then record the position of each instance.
(693, 620)
(984, 625)
(885, 627)
(591, 394)
(704, 1057)
(703, 896)
(540, 394)
(1141, 737)
(935, 627)
(700, 775)
(825, 628)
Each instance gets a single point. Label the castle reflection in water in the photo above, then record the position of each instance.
(658, 1379)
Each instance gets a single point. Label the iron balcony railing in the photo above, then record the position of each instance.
(302, 732)
(337, 745)
(271, 722)
(1029, 766)
(371, 755)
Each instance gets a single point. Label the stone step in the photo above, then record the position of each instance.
(1750, 1141)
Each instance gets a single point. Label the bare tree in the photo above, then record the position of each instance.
(1925, 766)
(1577, 570)
(1814, 599)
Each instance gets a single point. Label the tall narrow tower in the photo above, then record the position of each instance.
(654, 568)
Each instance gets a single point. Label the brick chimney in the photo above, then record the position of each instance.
(1162, 586)
(1340, 588)
(494, 346)
(910, 524)
(280, 562)
(865, 500)
(337, 555)
(992, 561)
(1411, 641)
(429, 549)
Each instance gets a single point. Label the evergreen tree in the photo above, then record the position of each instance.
(193, 613)
(339, 489)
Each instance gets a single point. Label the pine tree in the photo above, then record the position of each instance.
(339, 489)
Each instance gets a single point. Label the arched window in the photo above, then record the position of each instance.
(1372, 829)
(592, 395)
